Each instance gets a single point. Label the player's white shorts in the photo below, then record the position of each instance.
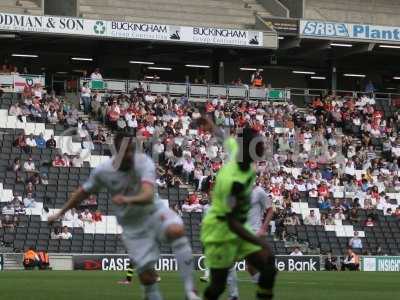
(143, 242)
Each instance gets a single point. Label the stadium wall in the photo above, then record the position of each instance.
(275, 7)
(296, 7)
(61, 7)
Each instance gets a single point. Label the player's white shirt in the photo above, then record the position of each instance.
(127, 183)
(259, 203)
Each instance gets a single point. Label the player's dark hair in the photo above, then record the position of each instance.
(246, 137)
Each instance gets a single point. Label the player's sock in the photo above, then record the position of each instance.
(267, 280)
(184, 257)
(129, 274)
(151, 292)
(233, 291)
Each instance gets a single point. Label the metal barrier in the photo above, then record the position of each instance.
(16, 83)
(188, 90)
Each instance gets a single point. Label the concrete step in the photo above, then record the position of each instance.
(171, 3)
(158, 15)
(171, 21)
(34, 11)
(28, 4)
(12, 9)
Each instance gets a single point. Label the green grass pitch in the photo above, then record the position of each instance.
(74, 285)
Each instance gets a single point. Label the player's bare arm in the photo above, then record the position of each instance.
(264, 226)
(76, 197)
(145, 196)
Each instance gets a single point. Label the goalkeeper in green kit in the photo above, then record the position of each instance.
(226, 236)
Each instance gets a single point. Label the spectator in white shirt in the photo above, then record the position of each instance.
(339, 216)
(312, 219)
(85, 97)
(30, 141)
(296, 252)
(87, 216)
(29, 201)
(187, 168)
(96, 75)
(29, 165)
(65, 234)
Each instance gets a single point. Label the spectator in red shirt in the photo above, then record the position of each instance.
(58, 161)
(323, 190)
(97, 216)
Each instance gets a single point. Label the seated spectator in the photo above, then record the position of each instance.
(65, 234)
(20, 209)
(97, 216)
(353, 216)
(40, 142)
(296, 252)
(31, 259)
(192, 204)
(55, 234)
(16, 166)
(369, 222)
(355, 242)
(20, 142)
(8, 209)
(29, 165)
(29, 201)
(58, 161)
(89, 203)
(292, 219)
(31, 141)
(9, 222)
(44, 180)
(77, 161)
(324, 203)
(177, 209)
(51, 143)
(87, 216)
(339, 216)
(100, 137)
(311, 219)
(351, 261)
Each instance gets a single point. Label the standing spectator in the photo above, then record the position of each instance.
(355, 242)
(96, 74)
(187, 168)
(85, 97)
(40, 142)
(65, 234)
(312, 219)
(51, 143)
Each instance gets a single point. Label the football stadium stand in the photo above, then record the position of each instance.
(351, 191)
(225, 13)
(379, 12)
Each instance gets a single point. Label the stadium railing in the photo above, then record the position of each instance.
(15, 83)
(189, 90)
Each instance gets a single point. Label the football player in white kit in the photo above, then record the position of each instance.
(261, 203)
(146, 222)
